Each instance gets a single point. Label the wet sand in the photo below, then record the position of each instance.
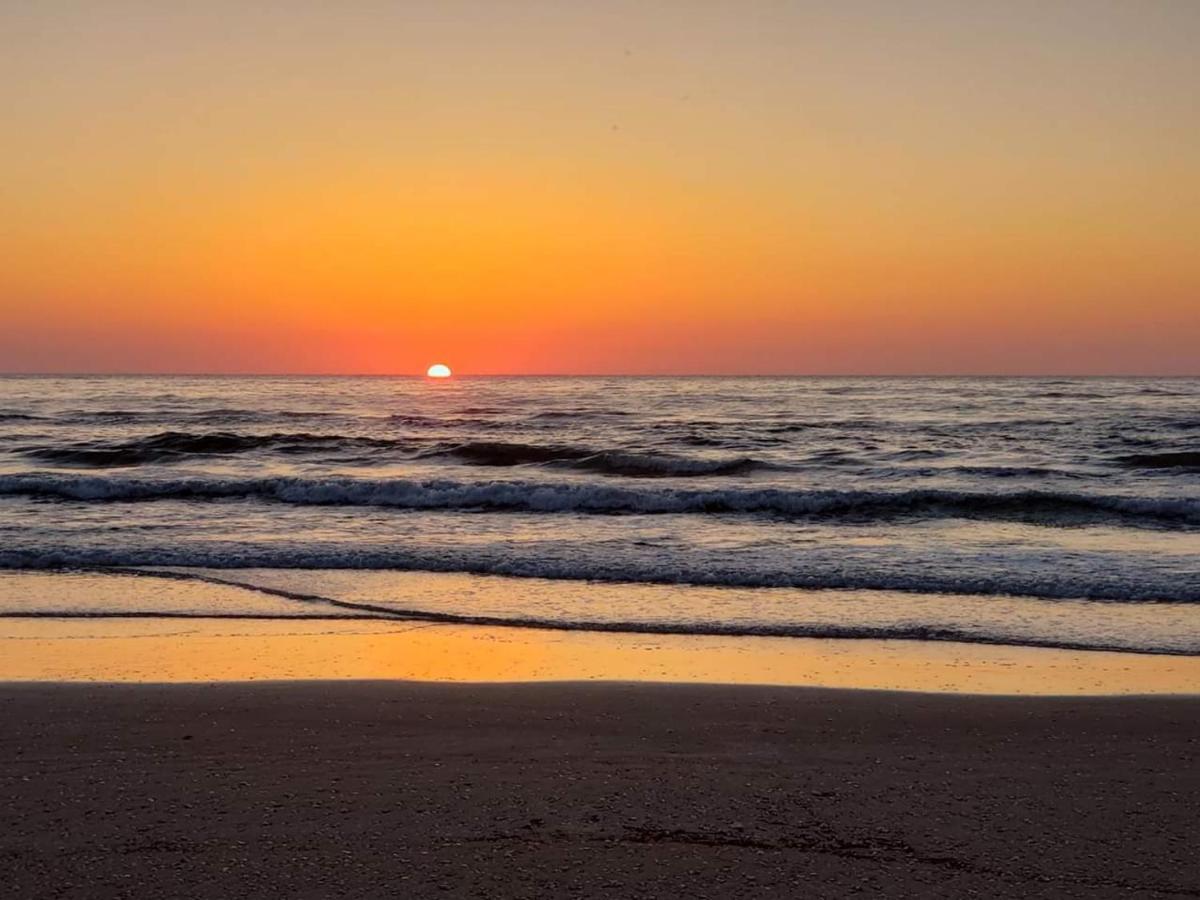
(592, 790)
(205, 650)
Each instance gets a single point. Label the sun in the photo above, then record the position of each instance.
(438, 370)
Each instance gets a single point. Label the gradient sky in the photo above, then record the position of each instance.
(529, 187)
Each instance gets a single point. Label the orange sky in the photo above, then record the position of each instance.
(521, 187)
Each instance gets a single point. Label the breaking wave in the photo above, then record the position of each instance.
(605, 462)
(1051, 507)
(811, 575)
(171, 446)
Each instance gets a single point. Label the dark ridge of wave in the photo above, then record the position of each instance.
(743, 442)
(700, 440)
(834, 424)
(645, 465)
(220, 415)
(107, 416)
(1044, 507)
(416, 421)
(913, 454)
(676, 424)
(847, 389)
(746, 441)
(1182, 459)
(1070, 395)
(369, 611)
(20, 417)
(230, 416)
(1164, 392)
(305, 414)
(605, 462)
(1134, 440)
(176, 445)
(950, 427)
(1010, 471)
(499, 453)
(445, 422)
(581, 412)
(985, 471)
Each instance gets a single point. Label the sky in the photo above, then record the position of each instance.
(859, 186)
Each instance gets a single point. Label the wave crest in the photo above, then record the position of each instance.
(605, 462)
(1049, 507)
(1182, 459)
(174, 445)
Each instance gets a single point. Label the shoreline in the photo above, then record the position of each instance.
(132, 650)
(592, 790)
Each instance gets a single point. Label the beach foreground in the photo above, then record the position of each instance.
(588, 790)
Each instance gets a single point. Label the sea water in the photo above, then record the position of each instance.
(1048, 511)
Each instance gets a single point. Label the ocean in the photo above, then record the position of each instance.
(1057, 512)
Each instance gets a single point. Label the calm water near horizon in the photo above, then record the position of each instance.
(1040, 511)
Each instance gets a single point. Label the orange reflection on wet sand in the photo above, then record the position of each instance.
(143, 650)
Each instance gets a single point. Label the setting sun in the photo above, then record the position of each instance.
(438, 370)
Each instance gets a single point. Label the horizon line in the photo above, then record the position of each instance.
(284, 374)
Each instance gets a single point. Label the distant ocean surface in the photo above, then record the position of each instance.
(1050, 511)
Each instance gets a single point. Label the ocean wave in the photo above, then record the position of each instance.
(498, 453)
(986, 472)
(815, 425)
(174, 445)
(1042, 586)
(1164, 392)
(1008, 471)
(1049, 507)
(416, 421)
(1181, 459)
(915, 454)
(577, 412)
(1070, 395)
(229, 416)
(606, 462)
(112, 415)
(180, 415)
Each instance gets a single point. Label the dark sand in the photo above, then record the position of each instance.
(606, 790)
